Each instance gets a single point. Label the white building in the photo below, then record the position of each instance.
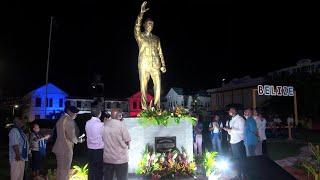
(84, 105)
(304, 65)
(174, 98)
(122, 104)
(37, 106)
(177, 97)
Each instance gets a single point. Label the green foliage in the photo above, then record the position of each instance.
(52, 174)
(165, 165)
(80, 173)
(209, 162)
(313, 168)
(151, 117)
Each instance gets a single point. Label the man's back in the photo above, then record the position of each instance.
(65, 129)
(115, 137)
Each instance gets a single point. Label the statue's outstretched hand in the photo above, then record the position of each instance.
(163, 69)
(143, 7)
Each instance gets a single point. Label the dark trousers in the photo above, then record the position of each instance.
(36, 161)
(121, 171)
(264, 148)
(238, 154)
(95, 158)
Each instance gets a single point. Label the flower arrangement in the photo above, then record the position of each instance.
(165, 165)
(154, 116)
(209, 162)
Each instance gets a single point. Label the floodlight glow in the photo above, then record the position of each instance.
(16, 106)
(223, 165)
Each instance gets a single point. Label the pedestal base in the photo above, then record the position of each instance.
(141, 136)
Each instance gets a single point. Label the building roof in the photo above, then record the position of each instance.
(179, 91)
(239, 83)
(51, 89)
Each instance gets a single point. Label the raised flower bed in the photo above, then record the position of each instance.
(169, 165)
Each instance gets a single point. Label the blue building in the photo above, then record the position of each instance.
(37, 106)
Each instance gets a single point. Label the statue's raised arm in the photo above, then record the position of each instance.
(137, 27)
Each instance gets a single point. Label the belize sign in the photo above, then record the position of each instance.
(270, 90)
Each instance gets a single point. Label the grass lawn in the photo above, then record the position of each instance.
(281, 149)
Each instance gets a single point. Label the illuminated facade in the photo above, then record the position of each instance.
(177, 97)
(135, 103)
(37, 106)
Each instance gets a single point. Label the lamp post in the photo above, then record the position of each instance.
(16, 106)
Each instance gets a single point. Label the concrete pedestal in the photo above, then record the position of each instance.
(140, 136)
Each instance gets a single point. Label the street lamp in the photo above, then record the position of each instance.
(223, 80)
(16, 106)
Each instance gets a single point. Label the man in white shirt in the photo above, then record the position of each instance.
(261, 148)
(94, 130)
(236, 132)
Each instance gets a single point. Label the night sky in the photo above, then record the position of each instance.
(203, 42)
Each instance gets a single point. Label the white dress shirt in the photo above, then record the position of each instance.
(94, 130)
(237, 129)
(261, 125)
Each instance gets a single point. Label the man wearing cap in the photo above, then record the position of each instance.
(66, 138)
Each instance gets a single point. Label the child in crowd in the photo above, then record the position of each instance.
(38, 149)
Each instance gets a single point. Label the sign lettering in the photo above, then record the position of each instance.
(270, 90)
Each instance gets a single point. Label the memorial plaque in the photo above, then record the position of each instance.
(165, 144)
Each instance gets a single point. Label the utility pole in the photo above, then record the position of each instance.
(47, 71)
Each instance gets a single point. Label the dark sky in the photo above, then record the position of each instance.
(203, 42)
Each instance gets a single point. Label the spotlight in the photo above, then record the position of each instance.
(223, 165)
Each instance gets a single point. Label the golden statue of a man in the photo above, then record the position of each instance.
(151, 60)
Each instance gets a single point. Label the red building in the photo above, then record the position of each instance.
(135, 103)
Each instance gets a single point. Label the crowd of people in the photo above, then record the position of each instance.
(107, 139)
(241, 135)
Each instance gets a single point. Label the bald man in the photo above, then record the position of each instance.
(116, 139)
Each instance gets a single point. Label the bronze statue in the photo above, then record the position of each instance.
(151, 60)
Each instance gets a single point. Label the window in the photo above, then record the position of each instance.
(60, 102)
(79, 104)
(47, 102)
(118, 105)
(38, 102)
(134, 105)
(37, 117)
(50, 102)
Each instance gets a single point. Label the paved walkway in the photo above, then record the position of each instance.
(289, 163)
